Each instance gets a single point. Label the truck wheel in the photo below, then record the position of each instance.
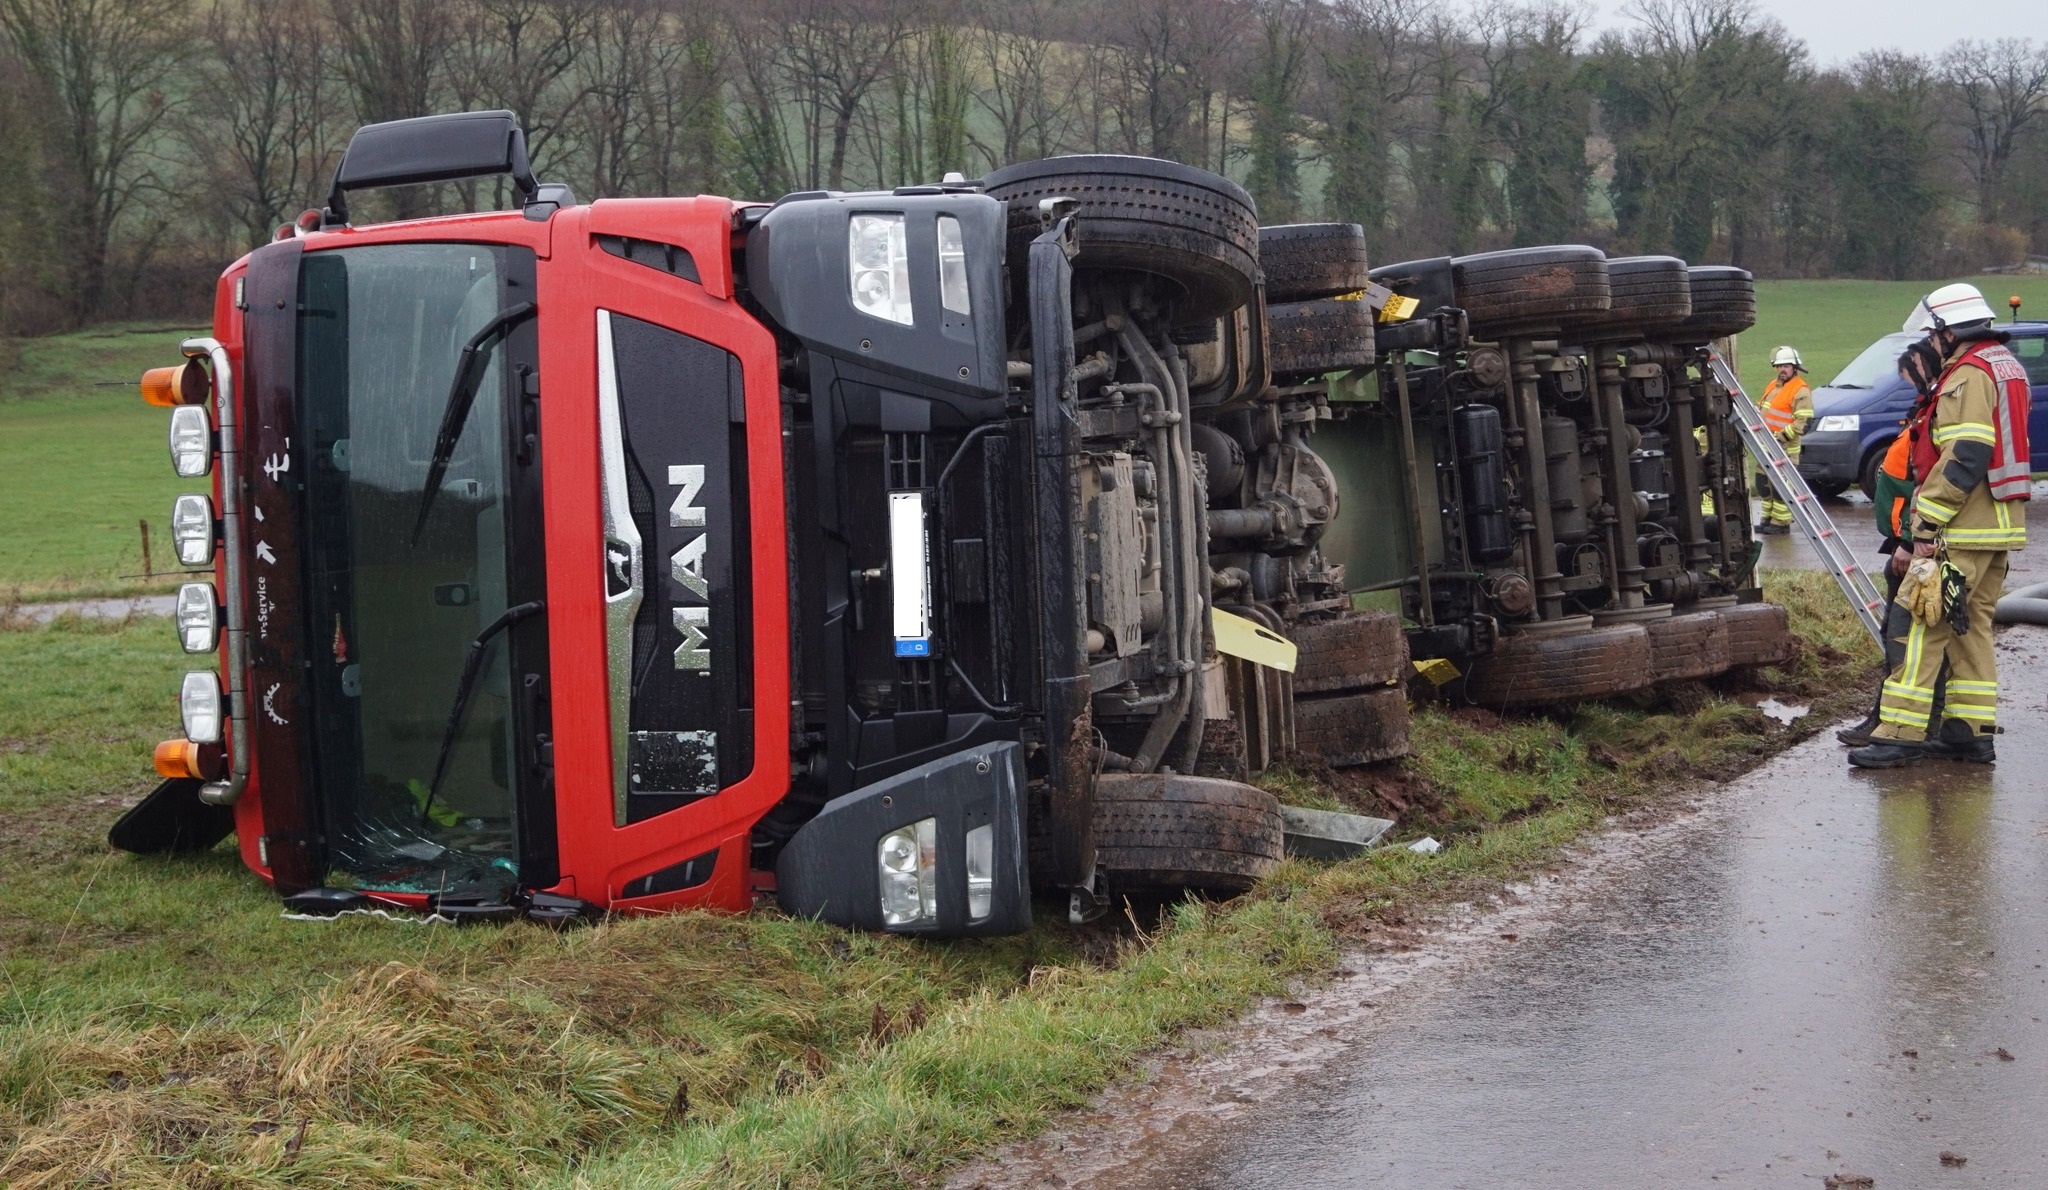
(1687, 647)
(1329, 335)
(1648, 292)
(1355, 651)
(1541, 669)
(1159, 832)
(1351, 729)
(1530, 289)
(1306, 261)
(1723, 304)
(1758, 633)
(1194, 228)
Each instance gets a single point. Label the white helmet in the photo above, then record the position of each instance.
(1951, 306)
(1787, 355)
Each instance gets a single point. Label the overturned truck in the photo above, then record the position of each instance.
(900, 554)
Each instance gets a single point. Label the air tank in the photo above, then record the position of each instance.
(1481, 473)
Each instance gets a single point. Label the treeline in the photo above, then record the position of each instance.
(147, 142)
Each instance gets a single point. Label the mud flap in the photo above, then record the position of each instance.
(172, 821)
(831, 869)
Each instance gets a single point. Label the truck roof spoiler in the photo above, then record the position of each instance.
(442, 148)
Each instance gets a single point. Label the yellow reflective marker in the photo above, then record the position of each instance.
(1438, 670)
(1240, 637)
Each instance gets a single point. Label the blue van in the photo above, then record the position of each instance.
(1859, 412)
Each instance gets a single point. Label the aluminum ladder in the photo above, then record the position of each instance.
(1807, 513)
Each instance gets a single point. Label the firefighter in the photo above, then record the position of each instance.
(1969, 510)
(1788, 409)
(1919, 366)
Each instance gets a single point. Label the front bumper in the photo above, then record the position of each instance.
(1833, 457)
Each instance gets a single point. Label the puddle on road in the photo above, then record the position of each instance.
(1783, 712)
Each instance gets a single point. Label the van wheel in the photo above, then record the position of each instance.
(1827, 489)
(1196, 229)
(1160, 833)
(1872, 462)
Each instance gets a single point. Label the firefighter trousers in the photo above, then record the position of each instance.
(1907, 705)
(1776, 511)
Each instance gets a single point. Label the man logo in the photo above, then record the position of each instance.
(686, 567)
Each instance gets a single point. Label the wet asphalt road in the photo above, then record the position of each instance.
(1814, 975)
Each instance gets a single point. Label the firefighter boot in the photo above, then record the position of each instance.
(1958, 740)
(1888, 754)
(1859, 735)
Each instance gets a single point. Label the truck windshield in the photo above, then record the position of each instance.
(390, 618)
(1879, 364)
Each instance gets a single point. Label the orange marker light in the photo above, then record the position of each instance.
(184, 759)
(181, 384)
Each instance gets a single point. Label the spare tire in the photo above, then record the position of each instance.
(1330, 335)
(1355, 651)
(1530, 290)
(1306, 261)
(1194, 228)
(1723, 304)
(1758, 633)
(1160, 832)
(1533, 669)
(1647, 293)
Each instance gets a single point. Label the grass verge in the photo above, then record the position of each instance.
(160, 1024)
(1831, 322)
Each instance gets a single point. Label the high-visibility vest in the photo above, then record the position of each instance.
(1779, 400)
(2011, 470)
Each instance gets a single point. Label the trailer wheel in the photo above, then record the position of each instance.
(1687, 647)
(1160, 832)
(1329, 335)
(1355, 651)
(1723, 304)
(1530, 289)
(1648, 293)
(1542, 669)
(1758, 633)
(1306, 261)
(1352, 729)
(1194, 228)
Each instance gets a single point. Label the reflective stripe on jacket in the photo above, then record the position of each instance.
(1954, 460)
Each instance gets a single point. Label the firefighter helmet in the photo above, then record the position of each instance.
(1951, 307)
(1787, 355)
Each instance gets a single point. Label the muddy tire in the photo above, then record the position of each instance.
(1306, 261)
(1533, 669)
(1758, 633)
(1342, 730)
(1358, 651)
(1303, 338)
(1723, 304)
(1160, 833)
(1684, 648)
(1194, 228)
(1530, 290)
(1648, 293)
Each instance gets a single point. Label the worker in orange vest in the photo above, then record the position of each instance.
(1788, 409)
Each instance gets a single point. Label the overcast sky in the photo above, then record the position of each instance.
(1837, 30)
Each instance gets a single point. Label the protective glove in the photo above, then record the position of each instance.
(1955, 598)
(1920, 592)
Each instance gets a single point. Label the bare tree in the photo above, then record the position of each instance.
(1999, 87)
(265, 138)
(1019, 59)
(838, 52)
(1370, 73)
(102, 71)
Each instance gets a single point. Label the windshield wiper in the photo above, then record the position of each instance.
(469, 376)
(471, 667)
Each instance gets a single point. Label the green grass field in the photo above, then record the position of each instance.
(1831, 322)
(82, 462)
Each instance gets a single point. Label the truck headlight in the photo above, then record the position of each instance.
(981, 871)
(877, 248)
(199, 704)
(1850, 422)
(908, 858)
(191, 442)
(198, 618)
(192, 529)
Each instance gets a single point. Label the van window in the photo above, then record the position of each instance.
(2034, 354)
